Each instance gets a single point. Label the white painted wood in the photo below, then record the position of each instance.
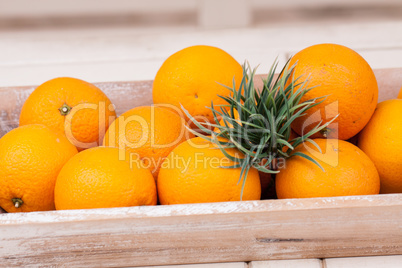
(287, 206)
(51, 8)
(207, 265)
(89, 71)
(224, 13)
(127, 54)
(26, 8)
(366, 262)
(320, 3)
(300, 263)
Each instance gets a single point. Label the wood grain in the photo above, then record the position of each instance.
(205, 233)
(366, 262)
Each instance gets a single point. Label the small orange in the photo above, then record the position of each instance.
(193, 173)
(149, 131)
(381, 140)
(30, 159)
(348, 171)
(400, 94)
(70, 106)
(349, 82)
(194, 77)
(104, 177)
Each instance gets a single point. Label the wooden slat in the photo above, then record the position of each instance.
(126, 54)
(224, 13)
(209, 265)
(205, 233)
(366, 262)
(21, 8)
(300, 263)
(321, 3)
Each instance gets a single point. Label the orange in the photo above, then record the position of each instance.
(348, 171)
(30, 159)
(70, 106)
(193, 173)
(149, 131)
(104, 177)
(381, 140)
(349, 82)
(194, 77)
(400, 94)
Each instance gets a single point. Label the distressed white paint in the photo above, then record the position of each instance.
(306, 263)
(205, 233)
(224, 13)
(225, 208)
(366, 262)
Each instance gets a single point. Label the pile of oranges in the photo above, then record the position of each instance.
(72, 152)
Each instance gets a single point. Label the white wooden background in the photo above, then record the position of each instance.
(357, 262)
(134, 50)
(43, 39)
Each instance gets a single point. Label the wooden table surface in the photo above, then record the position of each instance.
(126, 53)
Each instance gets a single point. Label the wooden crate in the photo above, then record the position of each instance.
(199, 233)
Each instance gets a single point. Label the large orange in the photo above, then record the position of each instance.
(349, 82)
(30, 159)
(149, 131)
(400, 94)
(104, 177)
(193, 77)
(381, 140)
(193, 173)
(71, 106)
(348, 171)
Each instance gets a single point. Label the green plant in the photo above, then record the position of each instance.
(263, 126)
